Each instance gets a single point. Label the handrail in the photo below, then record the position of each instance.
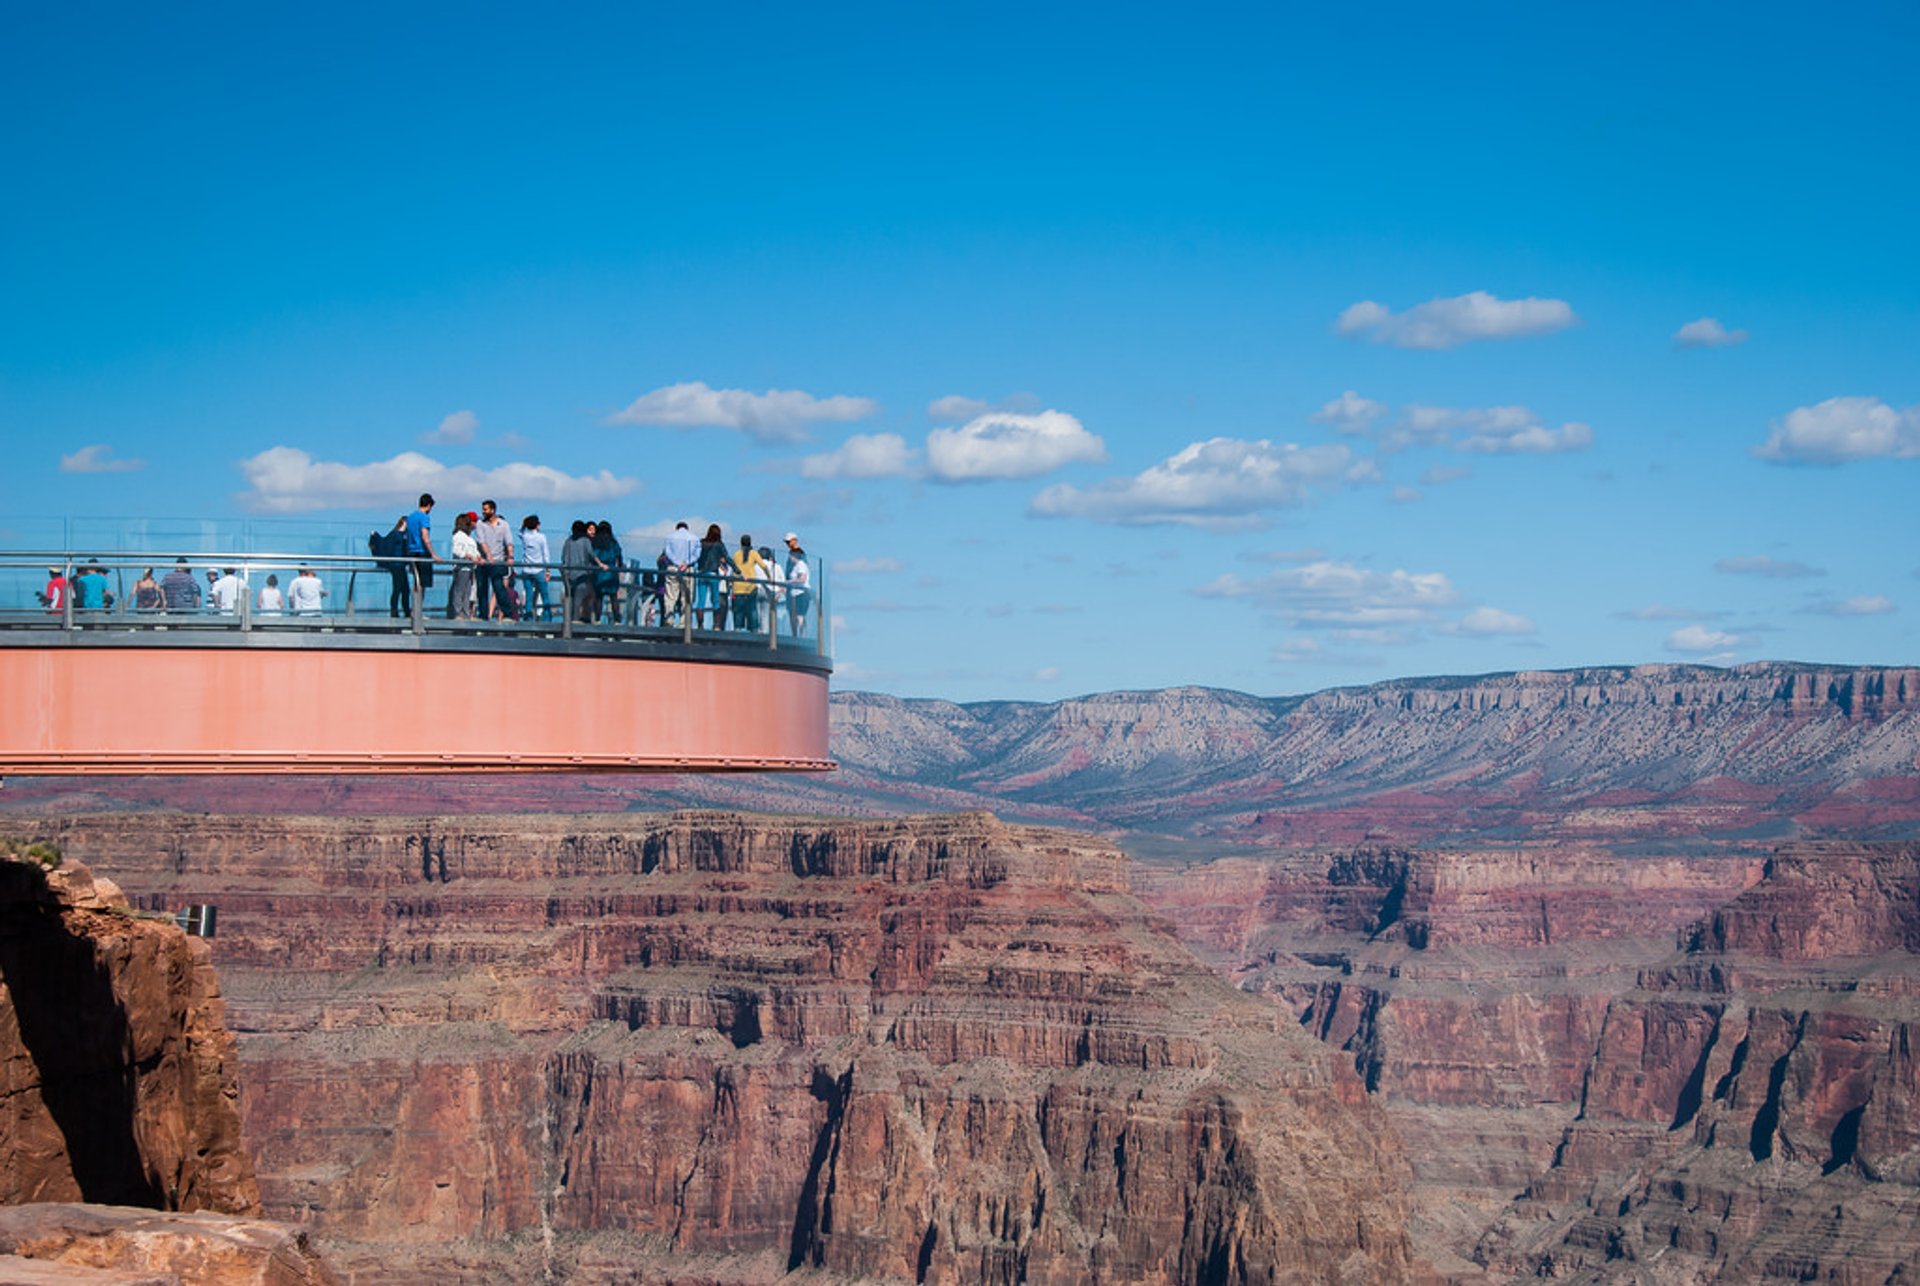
(645, 602)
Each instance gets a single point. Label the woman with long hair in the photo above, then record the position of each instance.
(712, 563)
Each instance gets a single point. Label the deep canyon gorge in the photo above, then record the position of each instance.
(1605, 976)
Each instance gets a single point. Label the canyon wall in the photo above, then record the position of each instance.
(1611, 1068)
(712, 1048)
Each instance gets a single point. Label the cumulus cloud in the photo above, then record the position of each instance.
(1484, 621)
(1477, 430)
(455, 430)
(864, 455)
(1698, 638)
(1351, 413)
(777, 415)
(1405, 495)
(1864, 605)
(1487, 430)
(1340, 595)
(1219, 482)
(1771, 568)
(1448, 323)
(1841, 429)
(98, 458)
(287, 480)
(1707, 332)
(1004, 444)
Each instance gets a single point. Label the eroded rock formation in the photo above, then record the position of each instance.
(706, 1047)
(118, 1083)
(1752, 1111)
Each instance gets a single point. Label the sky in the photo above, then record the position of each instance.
(1087, 347)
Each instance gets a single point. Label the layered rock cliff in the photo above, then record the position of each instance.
(706, 1047)
(119, 1072)
(1752, 1110)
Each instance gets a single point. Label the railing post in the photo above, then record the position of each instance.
(418, 602)
(246, 606)
(566, 605)
(66, 597)
(773, 620)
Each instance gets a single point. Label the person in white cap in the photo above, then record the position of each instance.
(799, 585)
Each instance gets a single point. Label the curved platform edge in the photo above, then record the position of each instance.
(292, 764)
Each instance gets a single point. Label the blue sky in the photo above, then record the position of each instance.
(1098, 347)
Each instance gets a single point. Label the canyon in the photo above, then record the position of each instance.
(1602, 975)
(710, 1047)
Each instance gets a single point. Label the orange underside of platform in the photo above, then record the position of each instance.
(116, 711)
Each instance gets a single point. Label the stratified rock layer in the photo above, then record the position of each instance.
(1752, 1112)
(116, 1067)
(707, 1047)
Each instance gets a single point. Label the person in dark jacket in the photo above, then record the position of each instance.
(577, 569)
(713, 564)
(606, 578)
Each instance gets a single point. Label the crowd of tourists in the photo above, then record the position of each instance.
(498, 573)
(180, 591)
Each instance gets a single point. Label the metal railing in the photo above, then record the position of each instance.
(81, 591)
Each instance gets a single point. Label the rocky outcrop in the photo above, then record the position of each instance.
(119, 1072)
(1752, 1111)
(124, 1246)
(709, 1047)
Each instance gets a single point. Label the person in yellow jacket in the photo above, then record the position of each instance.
(746, 583)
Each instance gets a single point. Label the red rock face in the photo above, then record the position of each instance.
(1753, 1109)
(1469, 988)
(119, 1072)
(719, 1048)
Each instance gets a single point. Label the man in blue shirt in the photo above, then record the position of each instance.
(682, 551)
(420, 541)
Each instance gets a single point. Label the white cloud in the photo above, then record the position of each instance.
(1405, 495)
(1211, 483)
(1047, 674)
(1698, 638)
(1486, 430)
(777, 415)
(1771, 568)
(1864, 605)
(1002, 444)
(455, 430)
(1843, 428)
(1482, 621)
(1478, 430)
(1707, 332)
(1329, 594)
(1351, 413)
(288, 480)
(953, 408)
(1448, 323)
(98, 458)
(864, 455)
(866, 566)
